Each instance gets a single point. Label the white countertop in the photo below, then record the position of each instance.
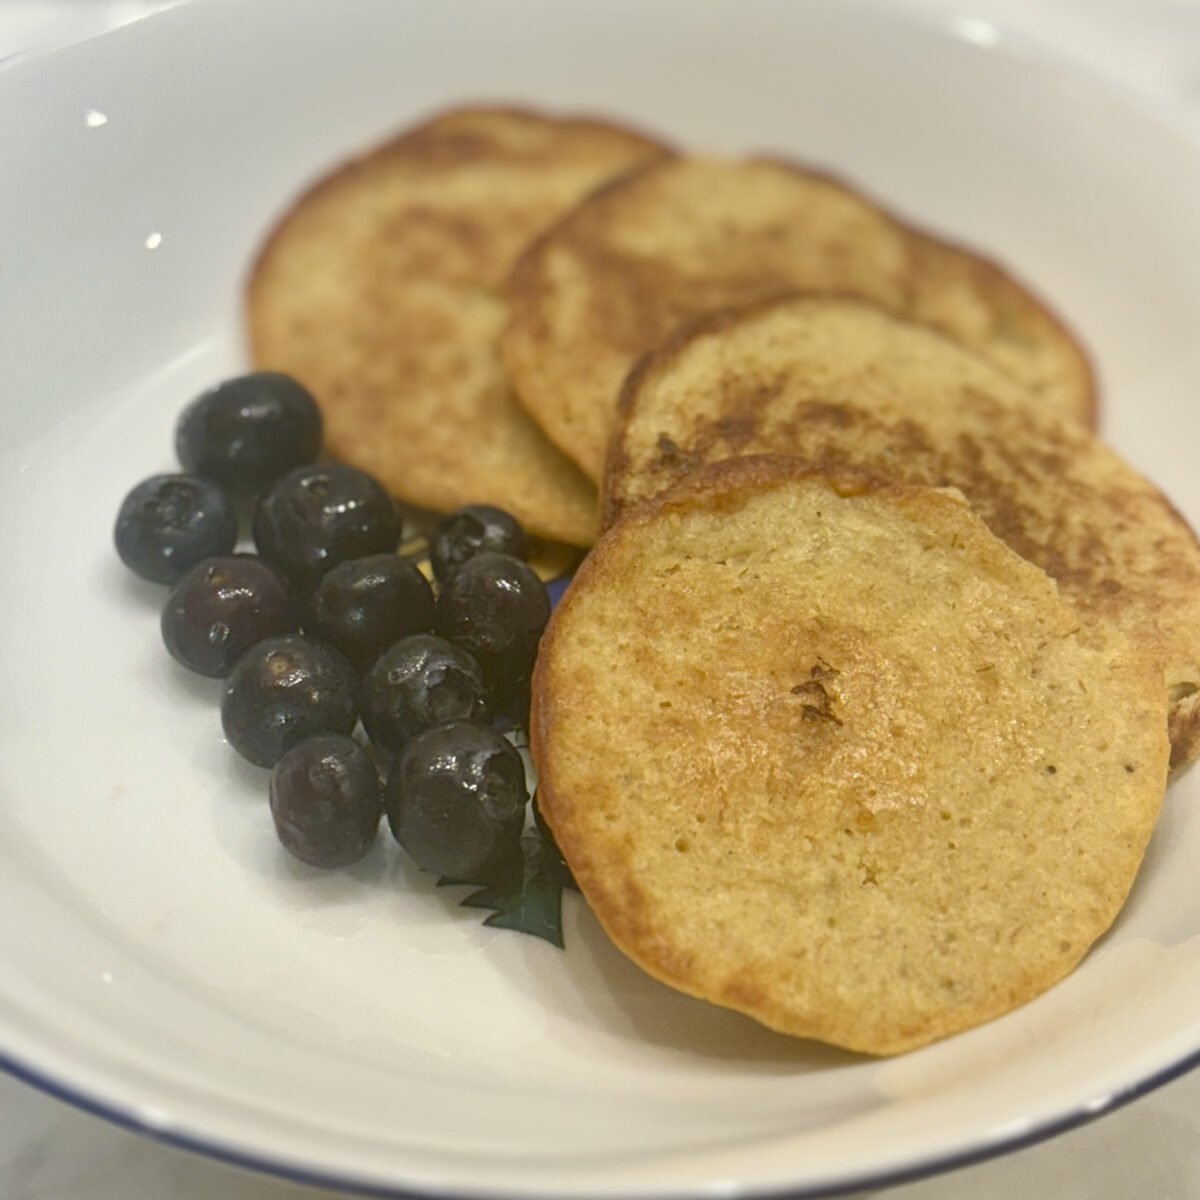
(1150, 1148)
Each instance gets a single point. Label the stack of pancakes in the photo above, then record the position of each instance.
(858, 716)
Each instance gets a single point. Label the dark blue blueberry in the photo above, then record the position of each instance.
(168, 523)
(320, 515)
(495, 607)
(250, 430)
(221, 608)
(455, 800)
(326, 801)
(284, 690)
(420, 681)
(364, 605)
(472, 530)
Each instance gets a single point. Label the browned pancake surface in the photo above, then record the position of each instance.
(824, 750)
(688, 236)
(380, 291)
(839, 380)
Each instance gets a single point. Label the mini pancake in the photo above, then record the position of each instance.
(823, 750)
(687, 236)
(380, 291)
(839, 380)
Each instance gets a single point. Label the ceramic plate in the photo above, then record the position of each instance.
(163, 960)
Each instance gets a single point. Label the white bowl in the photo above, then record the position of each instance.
(163, 961)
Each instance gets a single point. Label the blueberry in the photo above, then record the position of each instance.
(249, 430)
(168, 523)
(320, 515)
(221, 608)
(420, 681)
(364, 605)
(326, 801)
(283, 690)
(455, 799)
(496, 607)
(472, 530)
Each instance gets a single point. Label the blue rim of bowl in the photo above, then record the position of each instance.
(281, 1169)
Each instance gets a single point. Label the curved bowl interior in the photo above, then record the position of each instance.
(162, 957)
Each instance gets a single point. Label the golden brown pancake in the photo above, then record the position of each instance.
(838, 380)
(824, 750)
(380, 291)
(687, 236)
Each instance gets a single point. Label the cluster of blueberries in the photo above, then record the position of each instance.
(326, 623)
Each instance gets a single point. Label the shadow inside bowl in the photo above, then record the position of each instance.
(598, 988)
